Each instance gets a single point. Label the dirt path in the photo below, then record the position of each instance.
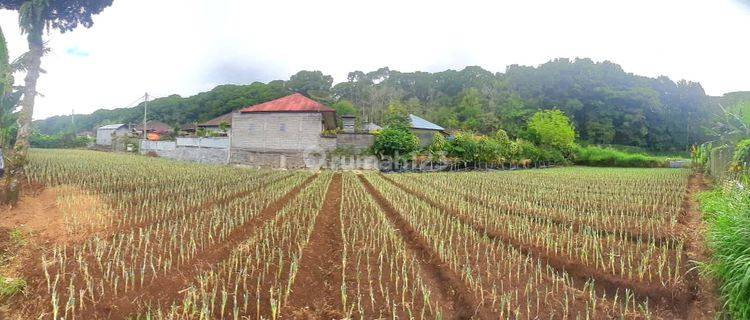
(704, 304)
(316, 293)
(448, 288)
(37, 214)
(605, 283)
(165, 289)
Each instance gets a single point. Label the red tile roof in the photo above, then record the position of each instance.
(292, 103)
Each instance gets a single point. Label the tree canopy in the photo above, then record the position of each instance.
(605, 104)
(62, 15)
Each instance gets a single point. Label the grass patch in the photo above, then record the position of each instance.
(607, 157)
(11, 286)
(17, 237)
(727, 213)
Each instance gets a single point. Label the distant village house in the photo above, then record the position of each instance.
(104, 134)
(155, 130)
(424, 129)
(214, 126)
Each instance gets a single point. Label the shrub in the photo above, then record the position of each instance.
(741, 153)
(728, 216)
(395, 142)
(606, 157)
(553, 129)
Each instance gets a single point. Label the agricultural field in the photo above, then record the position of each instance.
(145, 238)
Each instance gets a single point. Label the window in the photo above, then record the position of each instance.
(282, 127)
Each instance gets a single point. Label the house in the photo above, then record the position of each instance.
(424, 129)
(214, 125)
(155, 129)
(279, 133)
(104, 134)
(189, 128)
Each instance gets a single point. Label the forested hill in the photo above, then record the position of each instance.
(607, 105)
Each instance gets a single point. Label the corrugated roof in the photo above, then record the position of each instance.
(419, 123)
(155, 126)
(215, 122)
(291, 103)
(111, 126)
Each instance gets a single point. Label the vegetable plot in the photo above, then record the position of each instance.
(185, 241)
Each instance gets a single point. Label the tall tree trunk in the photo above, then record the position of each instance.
(18, 157)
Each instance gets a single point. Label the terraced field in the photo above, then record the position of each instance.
(184, 241)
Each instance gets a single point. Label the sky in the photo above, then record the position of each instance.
(185, 47)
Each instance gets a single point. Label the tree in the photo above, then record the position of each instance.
(310, 83)
(34, 17)
(397, 116)
(552, 128)
(395, 142)
(8, 100)
(344, 108)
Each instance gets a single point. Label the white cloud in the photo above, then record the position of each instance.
(187, 46)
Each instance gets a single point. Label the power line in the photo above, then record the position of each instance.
(136, 101)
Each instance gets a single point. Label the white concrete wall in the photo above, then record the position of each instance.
(220, 143)
(158, 145)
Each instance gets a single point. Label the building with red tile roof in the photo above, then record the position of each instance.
(279, 132)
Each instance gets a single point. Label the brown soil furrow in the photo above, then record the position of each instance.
(316, 292)
(605, 283)
(704, 304)
(165, 289)
(630, 235)
(449, 289)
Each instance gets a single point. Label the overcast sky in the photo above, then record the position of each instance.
(188, 46)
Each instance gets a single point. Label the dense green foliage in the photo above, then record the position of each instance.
(395, 142)
(605, 104)
(8, 97)
(607, 157)
(728, 215)
(58, 141)
(552, 129)
(741, 153)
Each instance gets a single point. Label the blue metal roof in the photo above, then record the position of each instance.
(419, 123)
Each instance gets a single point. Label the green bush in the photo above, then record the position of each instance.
(741, 153)
(728, 216)
(606, 157)
(396, 142)
(58, 141)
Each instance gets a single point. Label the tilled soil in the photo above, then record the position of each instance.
(668, 303)
(316, 293)
(166, 289)
(450, 290)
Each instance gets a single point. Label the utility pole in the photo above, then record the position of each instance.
(145, 114)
